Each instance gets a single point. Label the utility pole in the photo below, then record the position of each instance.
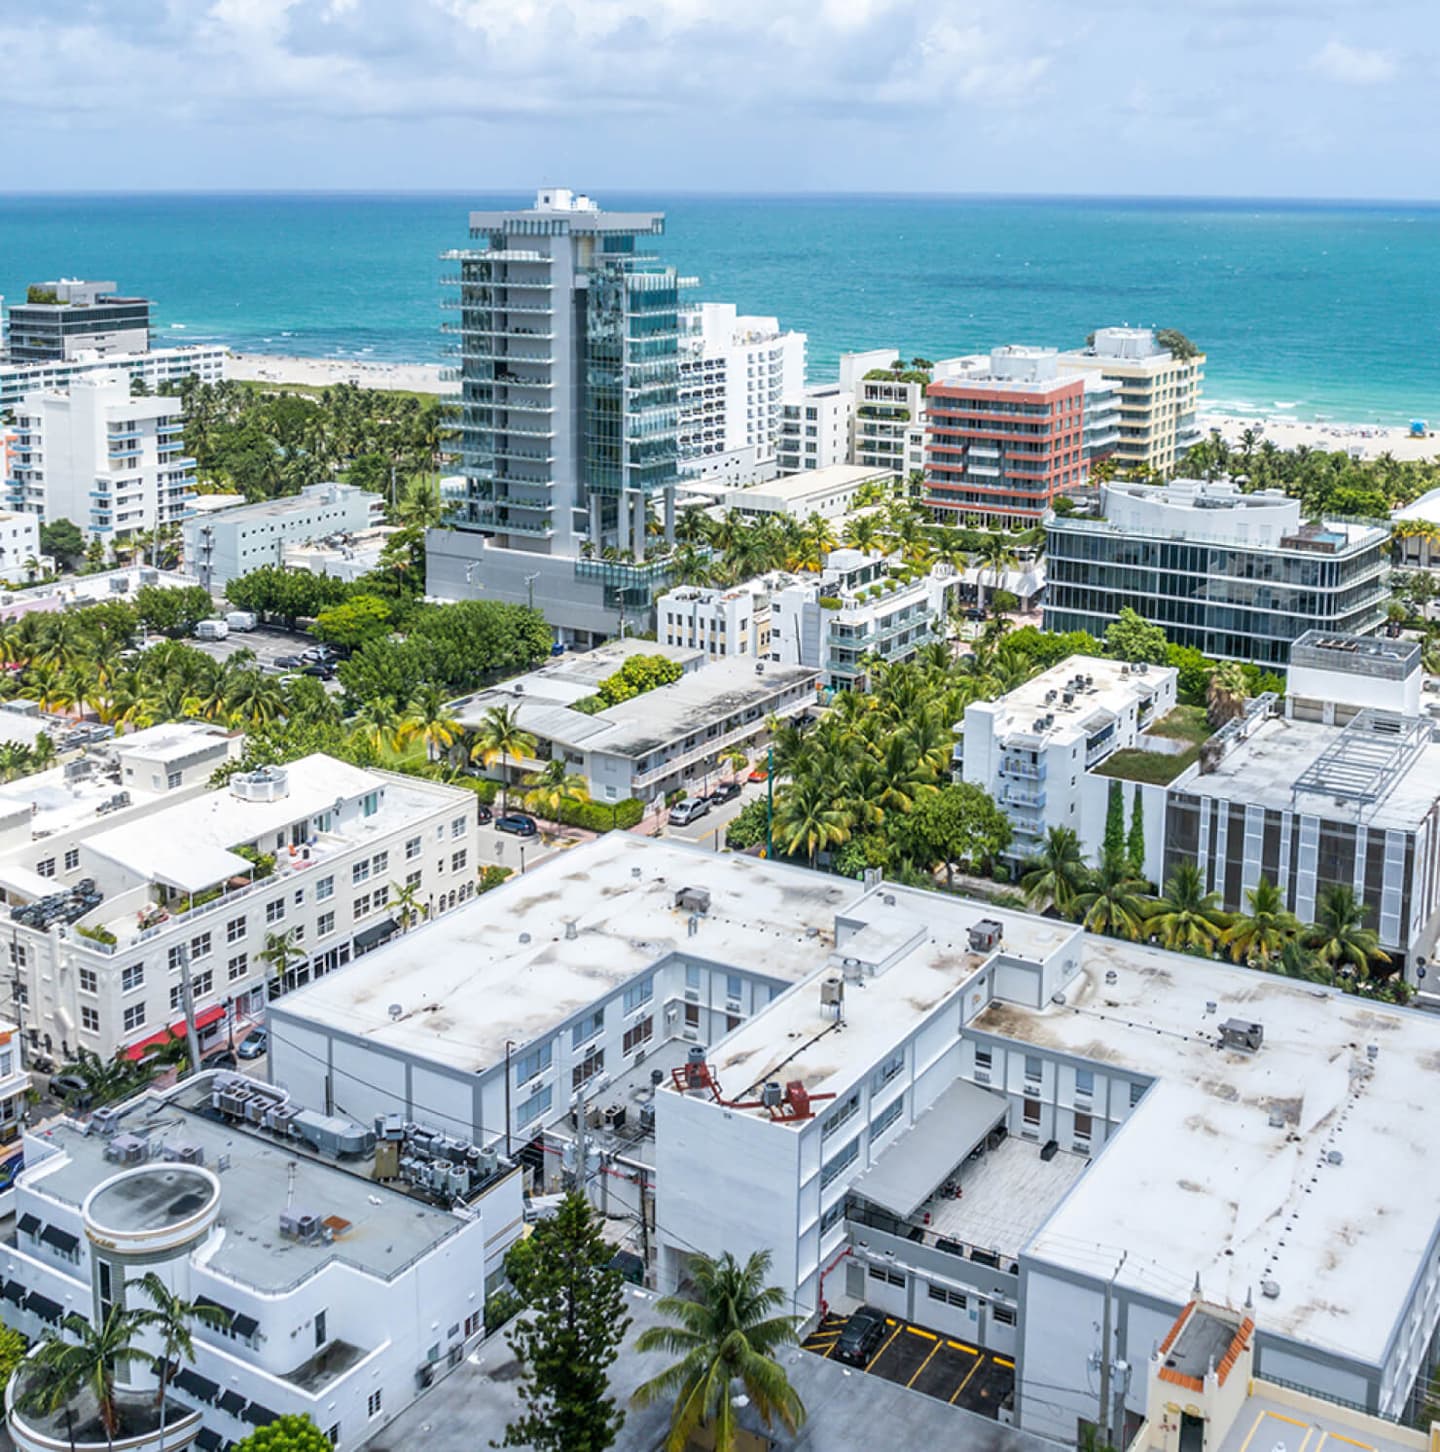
(1106, 1332)
(770, 803)
(187, 996)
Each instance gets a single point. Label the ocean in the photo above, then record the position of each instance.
(1306, 310)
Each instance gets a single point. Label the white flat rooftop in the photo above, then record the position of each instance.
(1199, 1180)
(503, 968)
(1263, 768)
(925, 940)
(1113, 685)
(791, 487)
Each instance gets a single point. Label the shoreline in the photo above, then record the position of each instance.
(1364, 441)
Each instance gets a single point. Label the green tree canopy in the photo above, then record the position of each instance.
(568, 1334)
(1130, 638)
(286, 595)
(62, 538)
(173, 611)
(639, 674)
(290, 1433)
(958, 823)
(353, 622)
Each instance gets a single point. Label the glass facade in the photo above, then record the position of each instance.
(1226, 600)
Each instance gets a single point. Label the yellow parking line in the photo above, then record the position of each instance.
(961, 1346)
(1002, 1361)
(1254, 1427)
(924, 1363)
(884, 1348)
(979, 1362)
(916, 1331)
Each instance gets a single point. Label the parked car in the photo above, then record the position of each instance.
(517, 824)
(690, 810)
(225, 1059)
(254, 1044)
(975, 612)
(288, 662)
(71, 1089)
(483, 814)
(760, 772)
(861, 1336)
(322, 669)
(727, 791)
(320, 653)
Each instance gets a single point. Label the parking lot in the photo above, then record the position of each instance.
(954, 1371)
(268, 645)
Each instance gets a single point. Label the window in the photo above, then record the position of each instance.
(732, 1022)
(18, 955)
(369, 805)
(374, 1403)
(412, 849)
(132, 977)
(639, 993)
(587, 1028)
(833, 1216)
(984, 1061)
(587, 1068)
(1084, 1123)
(732, 986)
(692, 975)
(840, 1161)
(474, 1323)
(889, 1277)
(134, 1017)
(90, 1018)
(360, 872)
(274, 911)
(457, 860)
(692, 1015)
(324, 887)
(89, 983)
(412, 879)
(528, 1065)
(46, 867)
(177, 997)
(200, 946)
(457, 827)
(638, 1033)
(235, 930)
(536, 1105)
(72, 858)
(1032, 1068)
(299, 897)
(237, 967)
(887, 1071)
(1031, 1114)
(324, 924)
(297, 933)
(1003, 1315)
(840, 1113)
(1084, 1083)
(958, 1299)
(887, 1117)
(1136, 1090)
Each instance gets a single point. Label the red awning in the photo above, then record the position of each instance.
(203, 1020)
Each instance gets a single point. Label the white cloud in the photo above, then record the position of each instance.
(1352, 65)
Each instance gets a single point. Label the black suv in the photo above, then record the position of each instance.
(861, 1337)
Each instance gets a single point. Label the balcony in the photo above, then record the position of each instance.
(1018, 767)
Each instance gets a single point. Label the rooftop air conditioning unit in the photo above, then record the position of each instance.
(126, 1149)
(1242, 1035)
(693, 899)
(986, 935)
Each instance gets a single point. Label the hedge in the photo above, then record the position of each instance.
(601, 816)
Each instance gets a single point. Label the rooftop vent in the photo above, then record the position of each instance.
(1334, 1157)
(985, 935)
(1270, 1290)
(1111, 976)
(396, 1012)
(1242, 1035)
(264, 784)
(693, 899)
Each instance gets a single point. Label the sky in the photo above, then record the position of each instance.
(1283, 98)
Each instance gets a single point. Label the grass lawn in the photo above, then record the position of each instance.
(1184, 723)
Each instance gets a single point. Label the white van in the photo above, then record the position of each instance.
(212, 630)
(240, 620)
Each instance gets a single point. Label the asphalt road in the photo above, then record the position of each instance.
(709, 830)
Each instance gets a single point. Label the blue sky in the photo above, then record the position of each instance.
(1168, 97)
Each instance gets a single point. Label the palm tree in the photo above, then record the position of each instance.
(278, 953)
(1259, 935)
(380, 722)
(256, 699)
(996, 554)
(1056, 873)
(1226, 693)
(729, 1333)
(1338, 936)
(1187, 917)
(553, 789)
(60, 1371)
(499, 737)
(862, 532)
(808, 818)
(171, 1317)
(405, 898)
(1112, 901)
(428, 717)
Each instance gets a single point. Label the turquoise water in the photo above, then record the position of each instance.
(1308, 310)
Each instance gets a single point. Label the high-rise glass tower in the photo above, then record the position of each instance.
(568, 341)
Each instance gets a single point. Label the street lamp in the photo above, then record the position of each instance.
(509, 1044)
(530, 588)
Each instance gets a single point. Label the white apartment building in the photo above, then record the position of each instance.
(223, 544)
(983, 1120)
(1033, 749)
(345, 1289)
(830, 492)
(73, 592)
(888, 430)
(158, 368)
(720, 621)
(675, 736)
(14, 1087)
(342, 557)
(735, 372)
(19, 546)
(1159, 395)
(857, 610)
(123, 866)
(90, 453)
(815, 425)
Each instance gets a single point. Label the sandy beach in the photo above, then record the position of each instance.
(1365, 441)
(325, 372)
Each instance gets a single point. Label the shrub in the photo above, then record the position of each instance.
(491, 877)
(97, 935)
(639, 674)
(829, 602)
(1005, 601)
(747, 826)
(678, 795)
(601, 816)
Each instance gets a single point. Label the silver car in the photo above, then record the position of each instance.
(690, 810)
